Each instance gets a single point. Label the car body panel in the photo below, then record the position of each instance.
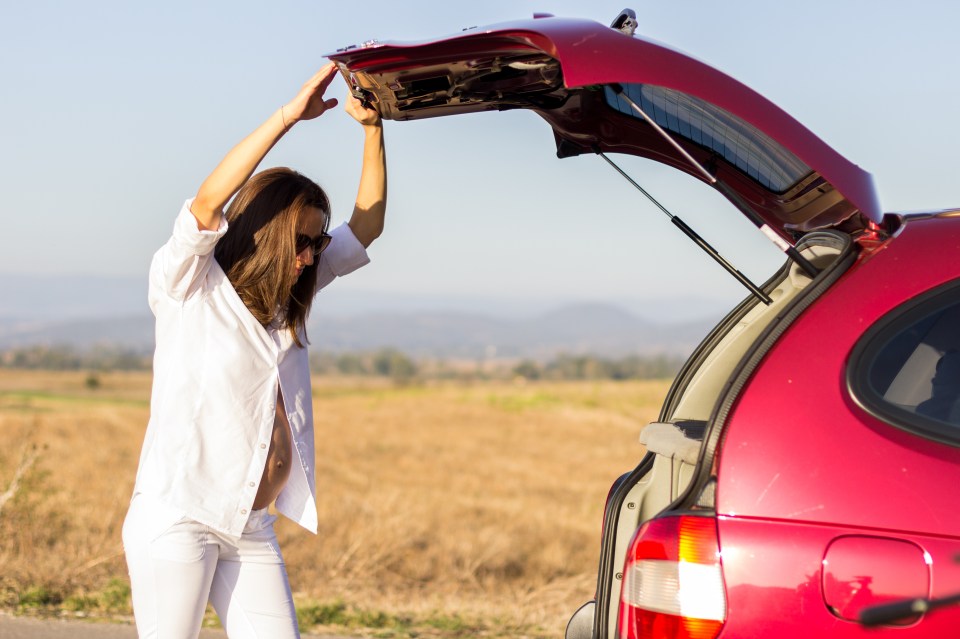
(427, 79)
(844, 472)
(772, 572)
(763, 474)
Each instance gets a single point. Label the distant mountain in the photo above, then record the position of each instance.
(132, 332)
(48, 297)
(84, 312)
(595, 329)
(52, 297)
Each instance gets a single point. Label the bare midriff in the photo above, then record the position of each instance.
(279, 458)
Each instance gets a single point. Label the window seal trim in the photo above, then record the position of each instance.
(879, 335)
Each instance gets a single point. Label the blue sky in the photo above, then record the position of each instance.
(112, 113)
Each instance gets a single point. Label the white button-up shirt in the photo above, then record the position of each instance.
(215, 376)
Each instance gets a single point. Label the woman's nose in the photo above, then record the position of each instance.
(306, 256)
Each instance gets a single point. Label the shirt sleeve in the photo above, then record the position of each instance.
(343, 256)
(180, 265)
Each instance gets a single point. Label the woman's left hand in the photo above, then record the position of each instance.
(367, 116)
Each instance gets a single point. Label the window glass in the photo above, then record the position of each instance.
(907, 370)
(741, 144)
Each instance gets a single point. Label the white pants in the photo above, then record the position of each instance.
(176, 565)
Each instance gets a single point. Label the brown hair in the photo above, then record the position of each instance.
(259, 250)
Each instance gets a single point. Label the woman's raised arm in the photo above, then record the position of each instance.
(240, 163)
(371, 205)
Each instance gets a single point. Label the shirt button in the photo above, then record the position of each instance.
(263, 445)
(243, 511)
(251, 484)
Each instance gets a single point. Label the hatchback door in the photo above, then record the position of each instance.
(601, 89)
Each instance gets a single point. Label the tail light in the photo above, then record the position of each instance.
(673, 581)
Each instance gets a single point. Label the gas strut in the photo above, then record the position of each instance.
(689, 232)
(737, 201)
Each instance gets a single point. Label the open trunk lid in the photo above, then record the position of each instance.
(582, 77)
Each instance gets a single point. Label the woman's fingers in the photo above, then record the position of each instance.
(320, 81)
(309, 102)
(326, 75)
(361, 113)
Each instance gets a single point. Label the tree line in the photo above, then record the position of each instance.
(385, 362)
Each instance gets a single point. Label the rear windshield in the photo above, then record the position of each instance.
(907, 369)
(741, 144)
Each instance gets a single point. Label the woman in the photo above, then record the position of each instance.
(231, 424)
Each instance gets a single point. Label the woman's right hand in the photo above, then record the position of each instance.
(365, 115)
(309, 102)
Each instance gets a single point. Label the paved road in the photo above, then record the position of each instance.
(30, 628)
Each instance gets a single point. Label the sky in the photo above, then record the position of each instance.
(112, 113)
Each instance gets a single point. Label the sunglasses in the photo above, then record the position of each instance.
(318, 244)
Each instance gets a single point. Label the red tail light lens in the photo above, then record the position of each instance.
(673, 581)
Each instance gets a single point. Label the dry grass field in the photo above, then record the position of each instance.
(446, 509)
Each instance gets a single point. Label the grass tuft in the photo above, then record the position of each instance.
(338, 616)
(38, 597)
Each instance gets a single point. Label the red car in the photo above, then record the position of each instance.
(800, 470)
